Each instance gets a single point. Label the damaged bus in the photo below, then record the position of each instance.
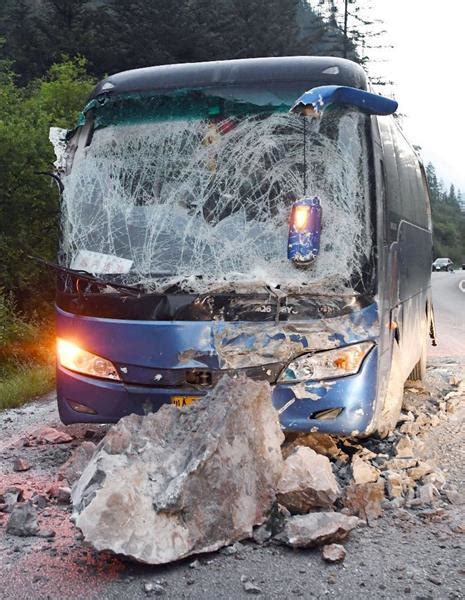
(263, 217)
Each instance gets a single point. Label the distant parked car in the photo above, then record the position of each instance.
(463, 266)
(444, 264)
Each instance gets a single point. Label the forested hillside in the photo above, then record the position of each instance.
(448, 212)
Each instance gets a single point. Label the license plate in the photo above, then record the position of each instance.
(181, 401)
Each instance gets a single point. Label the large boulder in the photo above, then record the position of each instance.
(307, 482)
(183, 481)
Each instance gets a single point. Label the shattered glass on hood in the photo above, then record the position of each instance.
(200, 198)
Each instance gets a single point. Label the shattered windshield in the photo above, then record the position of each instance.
(193, 188)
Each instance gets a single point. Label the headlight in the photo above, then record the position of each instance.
(326, 364)
(74, 358)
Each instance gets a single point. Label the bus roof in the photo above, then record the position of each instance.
(317, 70)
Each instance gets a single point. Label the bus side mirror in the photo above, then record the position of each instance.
(318, 99)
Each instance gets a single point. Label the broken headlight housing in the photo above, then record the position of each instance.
(326, 364)
(74, 358)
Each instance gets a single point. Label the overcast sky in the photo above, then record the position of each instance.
(427, 66)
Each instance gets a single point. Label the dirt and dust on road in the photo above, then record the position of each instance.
(407, 490)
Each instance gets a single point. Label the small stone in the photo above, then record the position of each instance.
(231, 550)
(394, 486)
(333, 553)
(426, 494)
(436, 478)
(454, 497)
(404, 448)
(251, 588)
(21, 464)
(420, 471)
(194, 564)
(365, 500)
(434, 580)
(46, 533)
(64, 495)
(39, 501)
(363, 472)
(261, 534)
(307, 481)
(314, 529)
(23, 520)
(10, 496)
(49, 435)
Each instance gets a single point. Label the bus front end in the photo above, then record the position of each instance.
(206, 230)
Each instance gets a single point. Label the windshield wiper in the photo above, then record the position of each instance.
(86, 276)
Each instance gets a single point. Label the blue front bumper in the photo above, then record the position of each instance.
(141, 345)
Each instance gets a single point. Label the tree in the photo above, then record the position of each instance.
(29, 203)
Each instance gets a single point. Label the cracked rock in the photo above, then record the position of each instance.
(186, 480)
(314, 529)
(307, 482)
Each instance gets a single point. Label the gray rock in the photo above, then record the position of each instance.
(307, 482)
(261, 534)
(9, 497)
(314, 529)
(251, 588)
(23, 520)
(183, 481)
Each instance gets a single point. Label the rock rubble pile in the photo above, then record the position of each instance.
(183, 482)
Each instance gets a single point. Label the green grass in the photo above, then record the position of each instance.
(25, 383)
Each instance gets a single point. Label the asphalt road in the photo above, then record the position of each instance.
(449, 310)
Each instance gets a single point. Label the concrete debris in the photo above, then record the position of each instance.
(23, 520)
(181, 482)
(75, 465)
(363, 472)
(333, 553)
(315, 529)
(307, 482)
(21, 464)
(364, 500)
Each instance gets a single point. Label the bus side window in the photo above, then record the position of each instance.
(391, 180)
(425, 195)
(412, 197)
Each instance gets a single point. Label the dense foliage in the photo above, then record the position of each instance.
(448, 211)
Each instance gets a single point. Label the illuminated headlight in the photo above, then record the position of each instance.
(326, 364)
(74, 358)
